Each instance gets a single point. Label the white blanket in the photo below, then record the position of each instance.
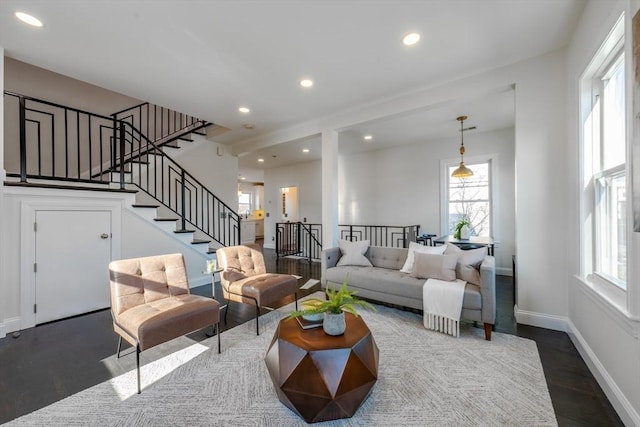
(442, 303)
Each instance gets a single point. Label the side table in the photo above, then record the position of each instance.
(322, 377)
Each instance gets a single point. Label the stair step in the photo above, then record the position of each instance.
(184, 231)
(67, 187)
(165, 219)
(200, 242)
(197, 132)
(184, 138)
(145, 206)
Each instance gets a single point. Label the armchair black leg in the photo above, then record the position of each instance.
(138, 365)
(257, 317)
(218, 332)
(119, 347)
(296, 296)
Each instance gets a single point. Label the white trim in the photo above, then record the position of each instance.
(541, 320)
(269, 245)
(623, 407)
(9, 325)
(622, 318)
(504, 271)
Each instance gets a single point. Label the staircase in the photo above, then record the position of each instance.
(63, 147)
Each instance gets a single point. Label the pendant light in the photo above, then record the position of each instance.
(462, 171)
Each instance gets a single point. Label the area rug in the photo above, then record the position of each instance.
(425, 378)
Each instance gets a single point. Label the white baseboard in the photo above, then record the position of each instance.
(200, 281)
(623, 407)
(9, 325)
(541, 320)
(269, 245)
(503, 271)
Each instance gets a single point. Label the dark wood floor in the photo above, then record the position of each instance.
(55, 360)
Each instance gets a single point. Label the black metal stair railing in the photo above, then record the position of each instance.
(397, 236)
(300, 239)
(142, 163)
(48, 141)
(159, 124)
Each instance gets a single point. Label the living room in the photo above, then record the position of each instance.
(546, 199)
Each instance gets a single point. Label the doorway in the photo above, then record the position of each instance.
(72, 250)
(289, 204)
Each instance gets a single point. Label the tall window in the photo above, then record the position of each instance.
(470, 199)
(604, 161)
(244, 203)
(610, 174)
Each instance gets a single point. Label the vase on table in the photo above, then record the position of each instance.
(464, 232)
(334, 324)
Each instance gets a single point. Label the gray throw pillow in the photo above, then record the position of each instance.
(431, 266)
(353, 253)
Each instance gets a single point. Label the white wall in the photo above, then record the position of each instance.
(308, 178)
(402, 186)
(4, 307)
(606, 336)
(218, 173)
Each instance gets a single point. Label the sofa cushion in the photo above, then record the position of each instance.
(430, 266)
(469, 261)
(353, 253)
(417, 247)
(392, 282)
(391, 258)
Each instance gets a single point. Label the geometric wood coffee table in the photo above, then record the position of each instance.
(322, 377)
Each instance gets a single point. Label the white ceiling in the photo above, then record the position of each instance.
(207, 58)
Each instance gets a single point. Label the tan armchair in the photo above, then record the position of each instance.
(244, 279)
(151, 303)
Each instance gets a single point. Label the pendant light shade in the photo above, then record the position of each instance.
(462, 171)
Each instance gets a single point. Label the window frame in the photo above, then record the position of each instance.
(492, 160)
(591, 149)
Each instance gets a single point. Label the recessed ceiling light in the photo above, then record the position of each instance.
(242, 177)
(368, 137)
(244, 110)
(411, 39)
(306, 82)
(305, 150)
(261, 160)
(28, 19)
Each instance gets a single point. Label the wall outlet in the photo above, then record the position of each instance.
(273, 238)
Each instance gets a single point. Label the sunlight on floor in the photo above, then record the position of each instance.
(125, 385)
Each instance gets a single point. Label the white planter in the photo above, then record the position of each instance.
(334, 324)
(464, 232)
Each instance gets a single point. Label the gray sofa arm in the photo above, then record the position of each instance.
(329, 258)
(488, 289)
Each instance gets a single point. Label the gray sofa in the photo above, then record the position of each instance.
(385, 283)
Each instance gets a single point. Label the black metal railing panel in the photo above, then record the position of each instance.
(397, 236)
(159, 124)
(300, 239)
(45, 140)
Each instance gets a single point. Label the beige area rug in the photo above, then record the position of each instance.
(425, 378)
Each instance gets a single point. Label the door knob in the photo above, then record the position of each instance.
(104, 236)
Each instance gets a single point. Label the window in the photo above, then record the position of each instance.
(469, 198)
(604, 163)
(244, 203)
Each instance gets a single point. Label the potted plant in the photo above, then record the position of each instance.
(462, 229)
(333, 308)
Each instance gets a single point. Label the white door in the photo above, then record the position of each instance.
(73, 251)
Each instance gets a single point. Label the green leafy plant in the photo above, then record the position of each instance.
(337, 301)
(459, 226)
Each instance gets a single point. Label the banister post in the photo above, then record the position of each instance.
(121, 144)
(23, 140)
(183, 220)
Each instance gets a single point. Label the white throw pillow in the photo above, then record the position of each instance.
(353, 253)
(417, 247)
(430, 266)
(469, 262)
